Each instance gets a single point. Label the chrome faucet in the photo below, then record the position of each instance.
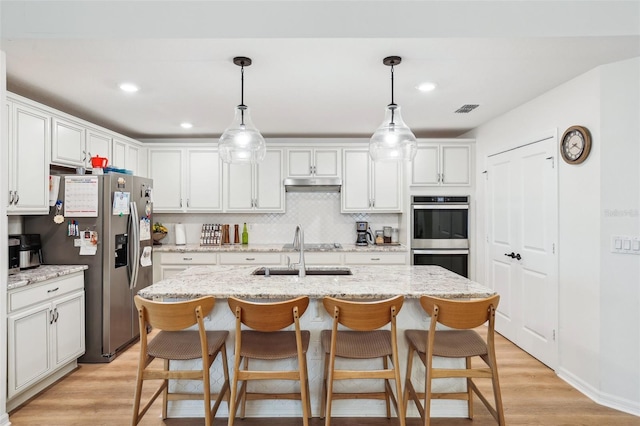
(298, 244)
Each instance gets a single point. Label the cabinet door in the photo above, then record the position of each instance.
(455, 165)
(132, 159)
(119, 158)
(299, 162)
(268, 183)
(425, 168)
(239, 187)
(203, 180)
(68, 143)
(166, 172)
(7, 164)
(98, 144)
(29, 336)
(31, 147)
(68, 336)
(387, 194)
(327, 162)
(356, 179)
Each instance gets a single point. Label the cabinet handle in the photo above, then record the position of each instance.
(375, 258)
(188, 259)
(56, 314)
(10, 197)
(51, 317)
(188, 204)
(249, 258)
(53, 289)
(180, 202)
(17, 198)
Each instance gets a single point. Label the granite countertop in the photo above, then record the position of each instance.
(275, 248)
(41, 273)
(367, 282)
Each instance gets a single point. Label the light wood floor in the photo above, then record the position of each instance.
(101, 394)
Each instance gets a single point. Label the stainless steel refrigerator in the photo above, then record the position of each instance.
(115, 210)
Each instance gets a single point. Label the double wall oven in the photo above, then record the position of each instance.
(440, 232)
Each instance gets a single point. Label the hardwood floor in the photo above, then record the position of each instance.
(101, 394)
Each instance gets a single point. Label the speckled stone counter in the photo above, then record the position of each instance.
(367, 282)
(275, 248)
(41, 273)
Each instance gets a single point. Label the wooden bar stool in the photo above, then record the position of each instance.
(461, 342)
(173, 342)
(267, 341)
(362, 341)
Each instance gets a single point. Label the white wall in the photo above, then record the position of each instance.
(592, 355)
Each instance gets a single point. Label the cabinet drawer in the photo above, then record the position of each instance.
(249, 258)
(189, 258)
(37, 293)
(318, 258)
(375, 258)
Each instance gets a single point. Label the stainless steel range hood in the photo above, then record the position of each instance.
(312, 184)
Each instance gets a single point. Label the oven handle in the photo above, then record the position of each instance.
(440, 207)
(440, 251)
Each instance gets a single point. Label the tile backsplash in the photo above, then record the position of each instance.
(317, 212)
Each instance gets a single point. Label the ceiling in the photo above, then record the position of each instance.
(317, 66)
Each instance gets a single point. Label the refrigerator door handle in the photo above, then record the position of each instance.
(134, 243)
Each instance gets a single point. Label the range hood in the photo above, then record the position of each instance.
(312, 184)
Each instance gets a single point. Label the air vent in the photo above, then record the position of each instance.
(465, 109)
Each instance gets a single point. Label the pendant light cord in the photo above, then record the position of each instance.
(392, 104)
(242, 95)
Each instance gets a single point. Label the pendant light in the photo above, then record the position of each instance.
(393, 140)
(241, 142)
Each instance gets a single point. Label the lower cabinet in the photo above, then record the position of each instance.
(45, 335)
(374, 258)
(168, 264)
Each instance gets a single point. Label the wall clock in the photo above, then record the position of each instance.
(575, 144)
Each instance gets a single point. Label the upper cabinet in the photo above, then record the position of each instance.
(258, 187)
(442, 164)
(73, 143)
(186, 179)
(307, 162)
(29, 136)
(369, 186)
(130, 155)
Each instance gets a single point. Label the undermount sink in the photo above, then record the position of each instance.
(309, 271)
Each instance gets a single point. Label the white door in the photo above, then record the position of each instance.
(166, 172)
(522, 233)
(386, 194)
(239, 187)
(98, 144)
(356, 196)
(269, 191)
(204, 171)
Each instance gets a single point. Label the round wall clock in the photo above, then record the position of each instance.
(575, 144)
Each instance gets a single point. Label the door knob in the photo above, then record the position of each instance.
(513, 255)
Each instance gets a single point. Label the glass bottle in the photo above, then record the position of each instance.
(236, 234)
(245, 234)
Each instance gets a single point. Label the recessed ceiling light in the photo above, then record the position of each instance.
(426, 87)
(129, 87)
(186, 125)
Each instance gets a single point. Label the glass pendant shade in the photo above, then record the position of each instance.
(393, 140)
(241, 142)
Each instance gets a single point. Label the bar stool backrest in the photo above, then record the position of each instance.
(269, 317)
(459, 314)
(363, 316)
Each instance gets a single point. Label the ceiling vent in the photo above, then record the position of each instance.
(465, 109)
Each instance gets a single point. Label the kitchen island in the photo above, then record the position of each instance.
(366, 282)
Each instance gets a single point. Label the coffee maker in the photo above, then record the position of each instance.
(364, 236)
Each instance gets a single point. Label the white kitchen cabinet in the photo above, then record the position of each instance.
(167, 265)
(68, 143)
(250, 258)
(45, 334)
(186, 180)
(442, 164)
(375, 258)
(370, 186)
(307, 162)
(127, 155)
(29, 137)
(256, 187)
(73, 143)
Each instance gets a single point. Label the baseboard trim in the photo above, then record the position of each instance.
(602, 398)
